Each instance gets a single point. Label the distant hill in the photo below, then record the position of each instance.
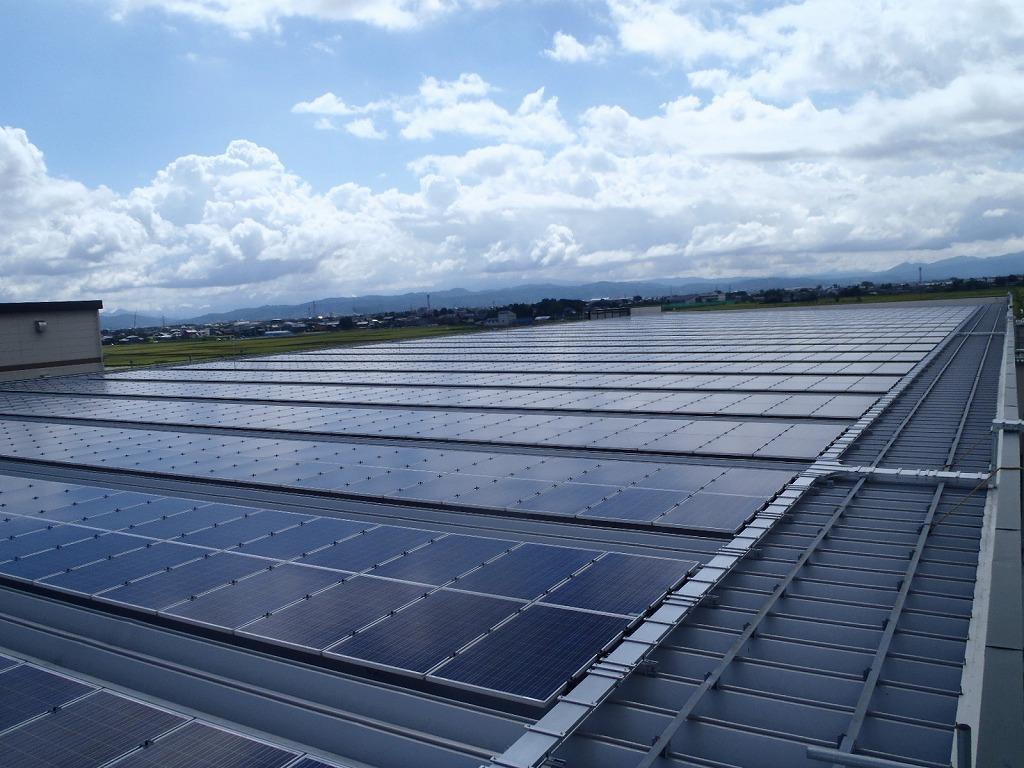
(119, 320)
(958, 266)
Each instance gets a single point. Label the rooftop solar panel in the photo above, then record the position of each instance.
(89, 732)
(27, 692)
(71, 555)
(426, 633)
(323, 619)
(197, 745)
(534, 654)
(527, 571)
(369, 548)
(620, 584)
(113, 571)
(253, 596)
(444, 559)
(172, 586)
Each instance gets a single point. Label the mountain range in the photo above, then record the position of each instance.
(956, 267)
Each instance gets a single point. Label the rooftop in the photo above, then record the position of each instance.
(714, 539)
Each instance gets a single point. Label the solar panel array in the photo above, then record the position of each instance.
(711, 498)
(408, 600)
(49, 720)
(676, 426)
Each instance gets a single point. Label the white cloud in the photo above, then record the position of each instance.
(566, 48)
(462, 106)
(327, 104)
(365, 129)
(785, 51)
(245, 17)
(814, 136)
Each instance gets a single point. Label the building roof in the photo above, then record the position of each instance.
(717, 539)
(14, 307)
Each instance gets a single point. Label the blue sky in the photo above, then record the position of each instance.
(185, 154)
(151, 87)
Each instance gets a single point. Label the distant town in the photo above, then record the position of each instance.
(555, 310)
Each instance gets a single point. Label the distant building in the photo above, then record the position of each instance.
(504, 318)
(49, 338)
(640, 311)
(603, 313)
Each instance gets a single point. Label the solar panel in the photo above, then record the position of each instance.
(41, 540)
(527, 571)
(235, 532)
(169, 587)
(192, 520)
(419, 637)
(621, 584)
(253, 596)
(567, 499)
(27, 691)
(197, 745)
(370, 548)
(637, 504)
(713, 512)
(111, 572)
(534, 654)
(329, 616)
(317, 533)
(70, 555)
(443, 559)
(88, 732)
(15, 526)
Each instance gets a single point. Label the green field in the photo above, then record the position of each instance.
(152, 353)
(922, 296)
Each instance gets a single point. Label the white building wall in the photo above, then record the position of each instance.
(69, 344)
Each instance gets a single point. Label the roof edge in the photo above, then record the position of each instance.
(48, 306)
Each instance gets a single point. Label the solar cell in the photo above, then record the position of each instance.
(750, 482)
(370, 548)
(15, 526)
(624, 584)
(104, 574)
(70, 555)
(197, 745)
(88, 732)
(419, 637)
(502, 493)
(192, 520)
(534, 654)
(720, 512)
(27, 691)
(41, 540)
(527, 571)
(169, 587)
(329, 616)
(251, 597)
(637, 504)
(567, 499)
(444, 559)
(235, 532)
(318, 532)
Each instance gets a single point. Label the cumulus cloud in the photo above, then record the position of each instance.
(462, 106)
(365, 129)
(791, 49)
(566, 48)
(812, 136)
